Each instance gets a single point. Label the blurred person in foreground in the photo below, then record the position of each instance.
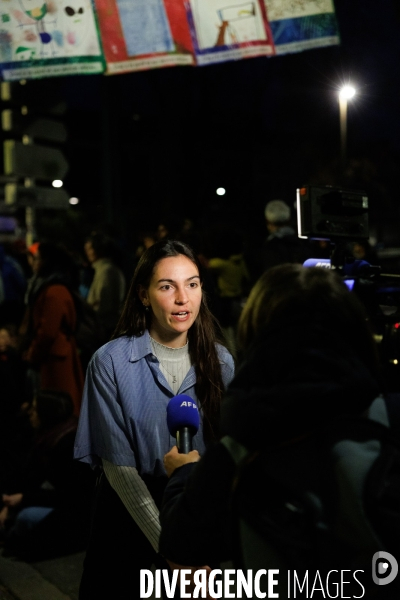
(165, 344)
(309, 360)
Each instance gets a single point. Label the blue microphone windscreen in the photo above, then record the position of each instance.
(317, 262)
(182, 411)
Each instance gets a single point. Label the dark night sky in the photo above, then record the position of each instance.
(162, 141)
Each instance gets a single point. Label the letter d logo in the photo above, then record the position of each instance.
(384, 568)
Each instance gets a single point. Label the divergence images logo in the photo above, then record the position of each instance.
(384, 568)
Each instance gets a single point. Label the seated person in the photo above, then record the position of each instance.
(45, 507)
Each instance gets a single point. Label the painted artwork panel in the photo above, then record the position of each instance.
(299, 25)
(43, 38)
(145, 27)
(144, 34)
(55, 37)
(289, 9)
(229, 29)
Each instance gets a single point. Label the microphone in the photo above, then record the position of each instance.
(325, 263)
(183, 421)
(350, 269)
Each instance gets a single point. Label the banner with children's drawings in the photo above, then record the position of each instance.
(298, 25)
(44, 38)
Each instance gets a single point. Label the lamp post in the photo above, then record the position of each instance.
(346, 92)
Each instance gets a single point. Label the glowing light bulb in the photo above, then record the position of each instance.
(347, 92)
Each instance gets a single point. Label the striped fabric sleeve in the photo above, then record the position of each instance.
(137, 499)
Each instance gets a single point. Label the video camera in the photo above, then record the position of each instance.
(341, 217)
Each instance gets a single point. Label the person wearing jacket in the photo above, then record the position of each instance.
(52, 349)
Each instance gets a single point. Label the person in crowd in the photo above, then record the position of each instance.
(33, 280)
(12, 288)
(8, 337)
(308, 358)
(51, 346)
(12, 374)
(46, 499)
(232, 277)
(107, 290)
(282, 244)
(165, 344)
(13, 385)
(145, 240)
(363, 250)
(170, 227)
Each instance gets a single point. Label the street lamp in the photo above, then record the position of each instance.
(346, 93)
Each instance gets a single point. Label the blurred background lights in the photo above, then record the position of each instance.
(74, 201)
(57, 183)
(221, 191)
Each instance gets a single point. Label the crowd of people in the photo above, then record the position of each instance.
(46, 342)
(272, 353)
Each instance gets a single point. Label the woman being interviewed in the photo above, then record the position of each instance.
(165, 344)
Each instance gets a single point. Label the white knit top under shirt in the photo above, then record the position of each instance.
(174, 363)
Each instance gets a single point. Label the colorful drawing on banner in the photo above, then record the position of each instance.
(289, 9)
(145, 27)
(229, 29)
(302, 24)
(33, 32)
(144, 34)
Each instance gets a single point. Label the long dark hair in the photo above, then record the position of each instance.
(313, 296)
(202, 335)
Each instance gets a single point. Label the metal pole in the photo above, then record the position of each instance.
(30, 225)
(30, 217)
(343, 130)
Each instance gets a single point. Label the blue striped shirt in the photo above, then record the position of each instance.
(123, 413)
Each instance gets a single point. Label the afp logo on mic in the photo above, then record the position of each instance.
(189, 403)
(182, 411)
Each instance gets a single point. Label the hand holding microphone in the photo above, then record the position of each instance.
(174, 459)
